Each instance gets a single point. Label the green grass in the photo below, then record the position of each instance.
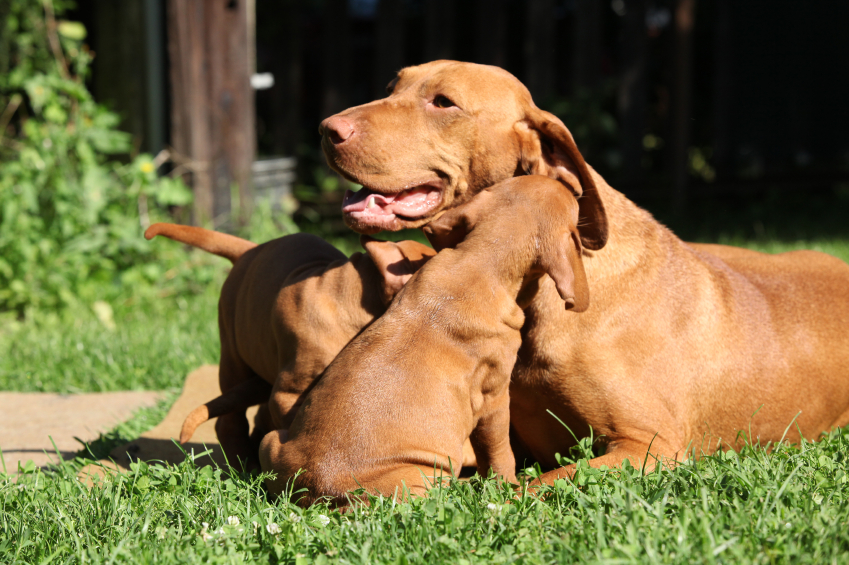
(152, 346)
(789, 506)
(785, 506)
(837, 247)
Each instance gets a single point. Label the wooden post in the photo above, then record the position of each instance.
(588, 43)
(539, 49)
(210, 44)
(490, 32)
(288, 80)
(723, 89)
(389, 44)
(440, 23)
(120, 39)
(633, 90)
(680, 101)
(337, 58)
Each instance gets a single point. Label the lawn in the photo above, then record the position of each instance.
(788, 505)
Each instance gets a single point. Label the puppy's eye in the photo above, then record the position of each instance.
(390, 88)
(441, 101)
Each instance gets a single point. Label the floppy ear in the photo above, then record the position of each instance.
(452, 227)
(396, 262)
(548, 149)
(566, 268)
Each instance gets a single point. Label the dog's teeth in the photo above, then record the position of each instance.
(371, 203)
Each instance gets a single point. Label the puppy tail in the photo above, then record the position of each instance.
(221, 244)
(239, 398)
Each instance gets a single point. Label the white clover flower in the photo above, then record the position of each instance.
(205, 525)
(233, 521)
(323, 519)
(220, 531)
(272, 528)
(294, 517)
(491, 507)
(255, 524)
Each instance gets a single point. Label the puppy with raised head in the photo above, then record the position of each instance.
(286, 310)
(393, 409)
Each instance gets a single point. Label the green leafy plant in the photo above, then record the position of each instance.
(71, 214)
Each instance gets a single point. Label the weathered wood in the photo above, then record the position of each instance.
(287, 67)
(491, 29)
(633, 90)
(212, 111)
(120, 39)
(389, 44)
(680, 100)
(337, 50)
(723, 89)
(539, 49)
(589, 40)
(440, 29)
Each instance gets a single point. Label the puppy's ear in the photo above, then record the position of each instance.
(396, 262)
(452, 227)
(548, 149)
(566, 268)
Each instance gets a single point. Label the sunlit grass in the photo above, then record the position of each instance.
(788, 505)
(755, 507)
(152, 346)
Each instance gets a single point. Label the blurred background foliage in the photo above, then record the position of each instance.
(75, 196)
(764, 157)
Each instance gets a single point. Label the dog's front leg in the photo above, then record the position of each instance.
(645, 456)
(491, 441)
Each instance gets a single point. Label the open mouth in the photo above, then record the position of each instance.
(368, 206)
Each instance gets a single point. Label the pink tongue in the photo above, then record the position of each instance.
(415, 202)
(411, 203)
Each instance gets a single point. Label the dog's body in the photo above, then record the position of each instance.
(399, 401)
(685, 345)
(286, 310)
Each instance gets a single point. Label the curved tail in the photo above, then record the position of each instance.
(239, 398)
(221, 244)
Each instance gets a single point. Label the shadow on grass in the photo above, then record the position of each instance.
(140, 422)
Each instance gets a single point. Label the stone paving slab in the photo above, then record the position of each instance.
(201, 386)
(28, 421)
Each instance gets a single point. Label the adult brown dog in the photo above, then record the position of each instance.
(399, 401)
(685, 345)
(286, 310)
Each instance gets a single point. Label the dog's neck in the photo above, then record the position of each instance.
(632, 232)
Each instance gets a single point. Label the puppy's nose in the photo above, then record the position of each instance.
(338, 129)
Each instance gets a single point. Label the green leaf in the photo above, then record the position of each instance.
(172, 192)
(71, 30)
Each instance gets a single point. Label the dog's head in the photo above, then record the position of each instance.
(446, 131)
(528, 226)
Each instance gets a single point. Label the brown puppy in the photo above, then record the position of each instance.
(398, 402)
(286, 310)
(685, 346)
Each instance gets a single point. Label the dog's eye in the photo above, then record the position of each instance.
(441, 101)
(390, 88)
